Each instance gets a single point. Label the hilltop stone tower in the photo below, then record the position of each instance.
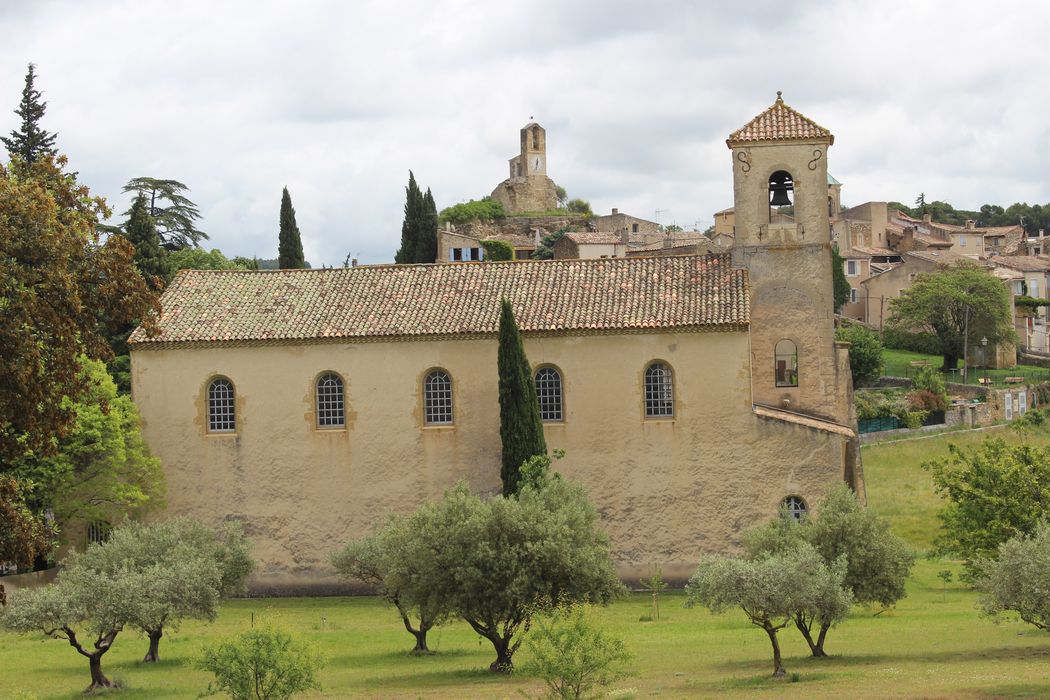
(780, 159)
(528, 188)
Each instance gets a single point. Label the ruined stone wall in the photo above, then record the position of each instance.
(521, 194)
(668, 490)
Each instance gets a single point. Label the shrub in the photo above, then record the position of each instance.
(475, 210)
(865, 353)
(580, 206)
(929, 379)
(573, 656)
(926, 400)
(900, 339)
(498, 250)
(264, 663)
(1017, 580)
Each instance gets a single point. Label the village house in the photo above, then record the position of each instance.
(694, 395)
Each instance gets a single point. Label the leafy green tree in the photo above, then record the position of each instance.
(580, 206)
(23, 535)
(101, 470)
(174, 214)
(520, 428)
(876, 562)
(264, 663)
(841, 286)
(150, 258)
(545, 250)
(562, 195)
(994, 492)
(85, 608)
(952, 302)
(574, 656)
(771, 589)
(200, 259)
(415, 214)
(65, 293)
(290, 247)
(387, 560)
(497, 250)
(29, 142)
(1017, 579)
(486, 209)
(865, 353)
(191, 569)
(496, 563)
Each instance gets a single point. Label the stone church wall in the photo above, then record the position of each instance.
(667, 490)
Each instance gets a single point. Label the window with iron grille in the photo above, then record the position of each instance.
(98, 532)
(659, 391)
(221, 414)
(548, 392)
(330, 410)
(795, 507)
(437, 398)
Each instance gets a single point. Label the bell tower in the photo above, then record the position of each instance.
(783, 238)
(533, 150)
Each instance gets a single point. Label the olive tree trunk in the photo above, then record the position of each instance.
(420, 633)
(153, 655)
(778, 665)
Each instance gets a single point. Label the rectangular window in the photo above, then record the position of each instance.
(475, 253)
(962, 241)
(457, 254)
(1019, 288)
(1033, 289)
(851, 268)
(1008, 404)
(853, 295)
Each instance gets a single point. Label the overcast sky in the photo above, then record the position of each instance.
(338, 100)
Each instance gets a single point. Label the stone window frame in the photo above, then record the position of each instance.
(795, 506)
(788, 378)
(856, 268)
(658, 401)
(329, 402)
(221, 406)
(549, 413)
(434, 389)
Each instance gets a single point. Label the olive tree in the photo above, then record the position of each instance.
(191, 569)
(772, 589)
(497, 562)
(385, 560)
(1019, 579)
(84, 607)
(876, 561)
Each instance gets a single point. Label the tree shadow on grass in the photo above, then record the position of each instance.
(1011, 691)
(852, 660)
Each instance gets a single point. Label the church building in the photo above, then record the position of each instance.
(693, 395)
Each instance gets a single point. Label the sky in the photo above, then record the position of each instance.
(339, 100)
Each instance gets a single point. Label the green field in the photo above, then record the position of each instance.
(933, 645)
(898, 364)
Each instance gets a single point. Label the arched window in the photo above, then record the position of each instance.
(659, 391)
(437, 398)
(795, 507)
(786, 363)
(330, 409)
(221, 413)
(548, 392)
(781, 189)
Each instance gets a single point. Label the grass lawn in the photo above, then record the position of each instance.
(934, 644)
(898, 365)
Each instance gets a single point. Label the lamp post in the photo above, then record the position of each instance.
(984, 355)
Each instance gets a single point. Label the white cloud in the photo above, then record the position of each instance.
(339, 100)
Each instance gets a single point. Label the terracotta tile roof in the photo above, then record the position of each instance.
(583, 296)
(1024, 263)
(779, 123)
(585, 237)
(937, 256)
(932, 241)
(875, 251)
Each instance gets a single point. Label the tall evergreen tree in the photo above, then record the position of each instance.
(29, 142)
(427, 244)
(290, 248)
(174, 215)
(520, 428)
(150, 258)
(415, 207)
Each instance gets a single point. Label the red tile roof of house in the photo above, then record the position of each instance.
(420, 301)
(779, 123)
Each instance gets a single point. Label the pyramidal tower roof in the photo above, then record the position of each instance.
(779, 123)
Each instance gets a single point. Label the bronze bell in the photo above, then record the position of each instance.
(779, 186)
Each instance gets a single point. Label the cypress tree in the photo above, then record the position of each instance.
(520, 428)
(290, 245)
(150, 258)
(427, 244)
(410, 227)
(30, 142)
